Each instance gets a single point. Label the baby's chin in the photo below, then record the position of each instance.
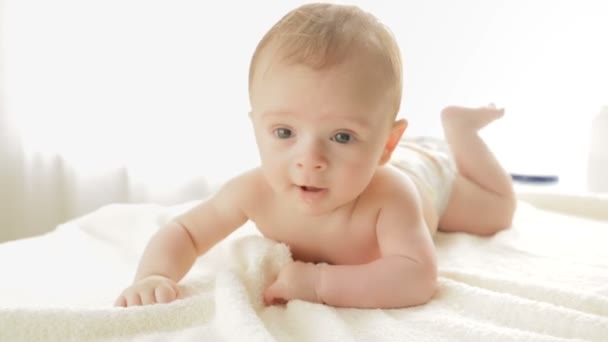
(325, 207)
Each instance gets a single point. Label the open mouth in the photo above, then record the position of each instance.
(311, 194)
(310, 188)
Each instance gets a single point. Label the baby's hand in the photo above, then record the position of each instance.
(297, 280)
(149, 290)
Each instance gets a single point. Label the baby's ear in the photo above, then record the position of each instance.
(394, 136)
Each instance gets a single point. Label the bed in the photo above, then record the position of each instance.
(545, 279)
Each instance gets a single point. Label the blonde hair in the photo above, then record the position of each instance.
(321, 35)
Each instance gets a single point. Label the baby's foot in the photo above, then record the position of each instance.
(454, 117)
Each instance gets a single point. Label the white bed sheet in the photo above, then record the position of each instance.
(545, 279)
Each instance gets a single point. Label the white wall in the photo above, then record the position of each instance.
(162, 85)
(138, 68)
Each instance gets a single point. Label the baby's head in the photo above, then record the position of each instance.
(321, 36)
(325, 88)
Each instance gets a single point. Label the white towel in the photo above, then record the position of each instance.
(545, 279)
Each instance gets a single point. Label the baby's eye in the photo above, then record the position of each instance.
(282, 133)
(342, 138)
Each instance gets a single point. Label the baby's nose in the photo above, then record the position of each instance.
(312, 159)
(316, 165)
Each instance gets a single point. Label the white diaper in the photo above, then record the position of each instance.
(429, 163)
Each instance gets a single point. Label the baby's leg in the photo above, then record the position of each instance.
(482, 199)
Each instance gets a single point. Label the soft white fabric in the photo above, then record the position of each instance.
(546, 279)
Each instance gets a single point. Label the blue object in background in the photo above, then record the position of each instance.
(524, 178)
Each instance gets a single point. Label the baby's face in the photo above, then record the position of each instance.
(320, 134)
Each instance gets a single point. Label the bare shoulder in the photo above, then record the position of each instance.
(244, 191)
(223, 212)
(234, 200)
(395, 191)
(401, 228)
(390, 187)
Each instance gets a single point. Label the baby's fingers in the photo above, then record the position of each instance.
(274, 295)
(128, 297)
(147, 296)
(165, 294)
(121, 301)
(133, 298)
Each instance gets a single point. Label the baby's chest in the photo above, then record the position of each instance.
(339, 242)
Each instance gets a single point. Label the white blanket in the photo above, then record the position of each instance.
(545, 279)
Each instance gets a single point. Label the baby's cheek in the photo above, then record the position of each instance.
(356, 177)
(276, 174)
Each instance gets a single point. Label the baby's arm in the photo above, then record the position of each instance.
(405, 275)
(172, 251)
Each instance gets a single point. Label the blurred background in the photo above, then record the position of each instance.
(126, 101)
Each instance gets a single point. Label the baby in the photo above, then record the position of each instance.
(356, 203)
